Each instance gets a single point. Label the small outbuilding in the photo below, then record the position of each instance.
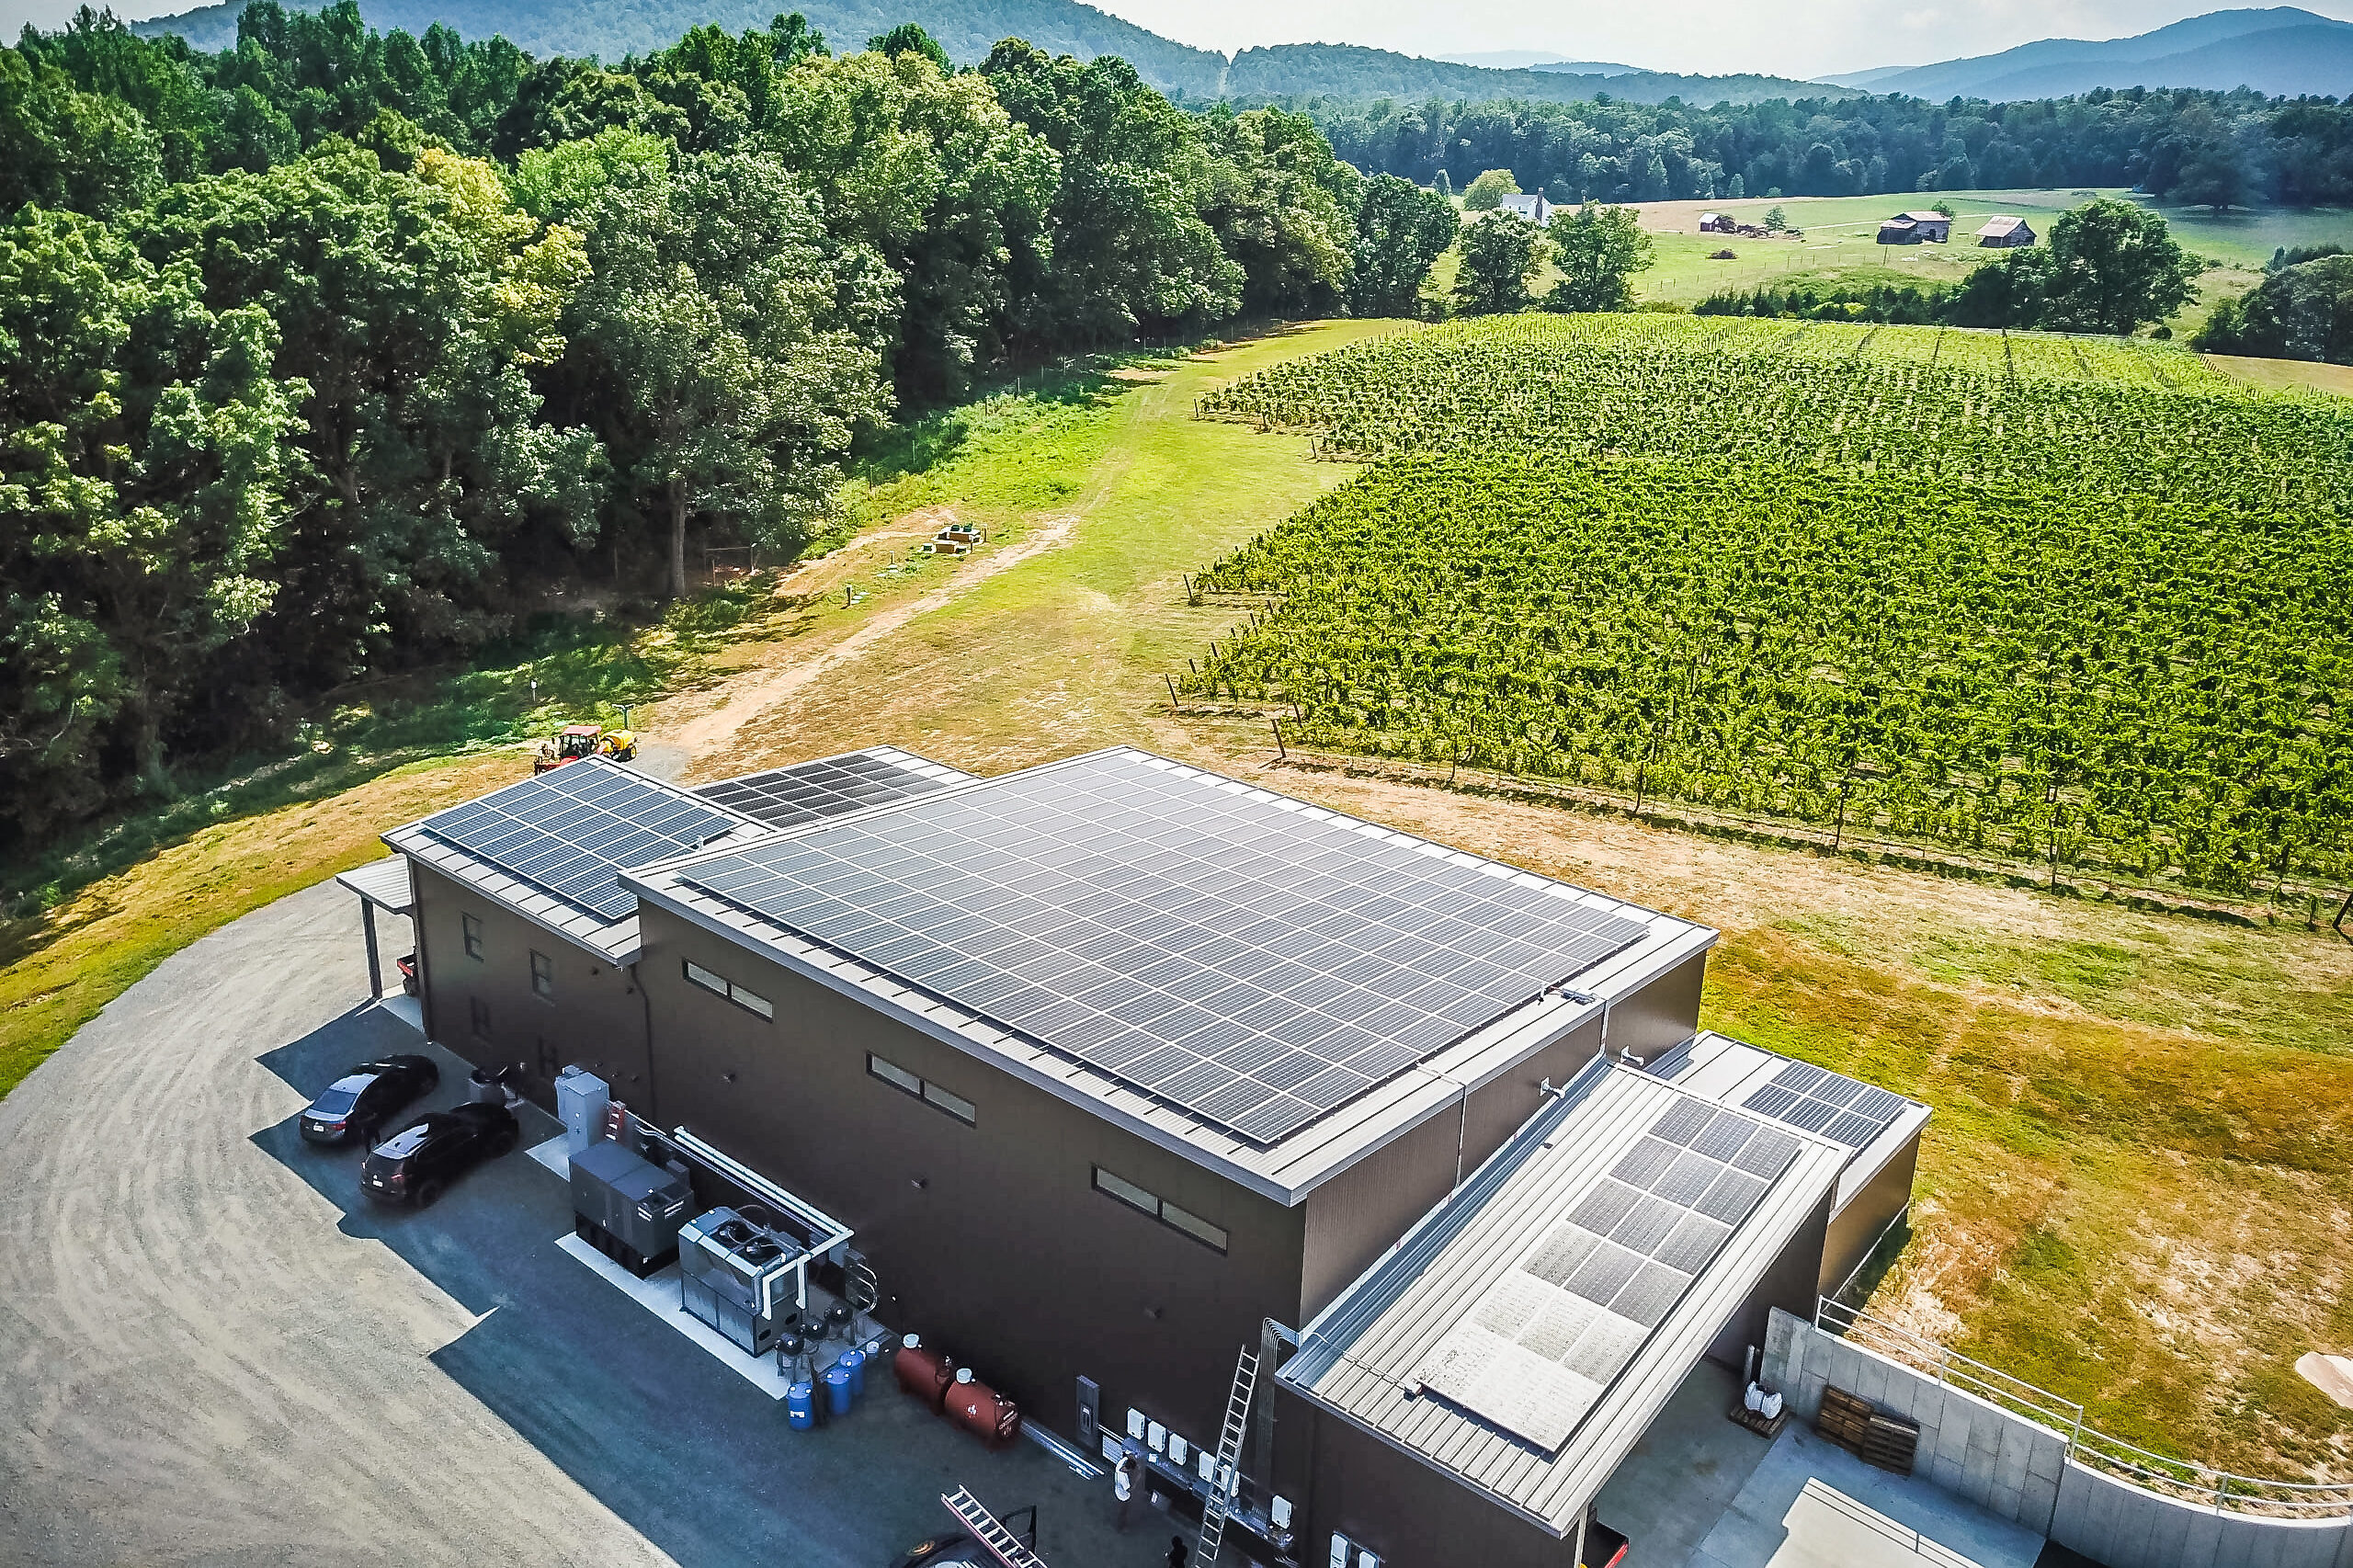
(2004, 231)
(1934, 226)
(1899, 232)
(1532, 207)
(1718, 223)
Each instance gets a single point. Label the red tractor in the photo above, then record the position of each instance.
(576, 740)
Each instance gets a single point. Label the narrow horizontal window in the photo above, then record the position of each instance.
(930, 1093)
(892, 1073)
(1126, 1191)
(1160, 1208)
(962, 1109)
(720, 985)
(1193, 1225)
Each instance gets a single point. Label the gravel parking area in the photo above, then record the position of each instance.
(217, 1353)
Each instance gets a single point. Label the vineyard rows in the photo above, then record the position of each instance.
(2082, 416)
(2146, 683)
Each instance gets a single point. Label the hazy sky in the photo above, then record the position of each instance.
(1786, 37)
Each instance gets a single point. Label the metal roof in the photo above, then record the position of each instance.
(1284, 1164)
(831, 786)
(1255, 960)
(384, 883)
(1362, 1358)
(610, 935)
(1870, 1122)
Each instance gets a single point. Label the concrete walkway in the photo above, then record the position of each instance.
(215, 1351)
(1812, 1505)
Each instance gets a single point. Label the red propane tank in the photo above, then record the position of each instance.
(981, 1410)
(922, 1371)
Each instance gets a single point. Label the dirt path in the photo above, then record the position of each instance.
(744, 698)
(788, 669)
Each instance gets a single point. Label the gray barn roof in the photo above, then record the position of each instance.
(1362, 1358)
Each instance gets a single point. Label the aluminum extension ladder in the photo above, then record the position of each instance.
(1228, 1479)
(1002, 1543)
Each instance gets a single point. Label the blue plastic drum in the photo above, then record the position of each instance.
(856, 1362)
(801, 1407)
(837, 1392)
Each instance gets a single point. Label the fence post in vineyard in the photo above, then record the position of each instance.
(1838, 834)
(2338, 924)
(1171, 687)
(1280, 755)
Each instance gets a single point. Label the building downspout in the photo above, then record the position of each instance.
(646, 1003)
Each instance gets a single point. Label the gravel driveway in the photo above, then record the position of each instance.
(200, 1366)
(213, 1351)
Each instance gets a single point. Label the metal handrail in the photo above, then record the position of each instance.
(2086, 1445)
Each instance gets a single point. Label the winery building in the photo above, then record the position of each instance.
(1117, 1068)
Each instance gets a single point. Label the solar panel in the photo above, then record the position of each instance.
(1254, 960)
(1844, 1109)
(568, 831)
(828, 787)
(1543, 1342)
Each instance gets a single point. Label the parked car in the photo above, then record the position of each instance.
(417, 1164)
(351, 1109)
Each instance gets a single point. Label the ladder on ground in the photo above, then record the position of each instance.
(1002, 1543)
(1227, 1481)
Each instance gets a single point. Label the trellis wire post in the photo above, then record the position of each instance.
(1280, 755)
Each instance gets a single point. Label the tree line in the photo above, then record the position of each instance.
(2193, 148)
(327, 352)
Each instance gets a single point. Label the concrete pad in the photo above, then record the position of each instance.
(2333, 1375)
(554, 1155)
(658, 1294)
(1812, 1505)
(1685, 1472)
(406, 1008)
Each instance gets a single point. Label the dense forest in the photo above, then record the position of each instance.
(324, 351)
(2196, 147)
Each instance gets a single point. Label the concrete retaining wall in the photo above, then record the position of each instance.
(2019, 1469)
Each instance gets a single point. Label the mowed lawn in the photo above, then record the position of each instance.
(2136, 1185)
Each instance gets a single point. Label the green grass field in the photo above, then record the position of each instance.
(1839, 243)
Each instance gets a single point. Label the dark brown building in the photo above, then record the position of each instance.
(1116, 1068)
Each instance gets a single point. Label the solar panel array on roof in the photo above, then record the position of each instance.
(567, 831)
(1255, 960)
(1840, 1109)
(807, 792)
(1539, 1346)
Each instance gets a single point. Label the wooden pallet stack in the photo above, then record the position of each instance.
(1850, 1421)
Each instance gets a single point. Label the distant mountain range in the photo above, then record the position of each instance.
(967, 29)
(2282, 51)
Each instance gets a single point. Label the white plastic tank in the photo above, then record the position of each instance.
(581, 1097)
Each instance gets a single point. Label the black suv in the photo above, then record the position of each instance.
(416, 1163)
(354, 1105)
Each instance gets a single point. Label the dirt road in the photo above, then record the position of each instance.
(201, 1367)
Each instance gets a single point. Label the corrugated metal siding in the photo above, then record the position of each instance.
(1353, 1359)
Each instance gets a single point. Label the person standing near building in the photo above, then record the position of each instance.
(1123, 1485)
